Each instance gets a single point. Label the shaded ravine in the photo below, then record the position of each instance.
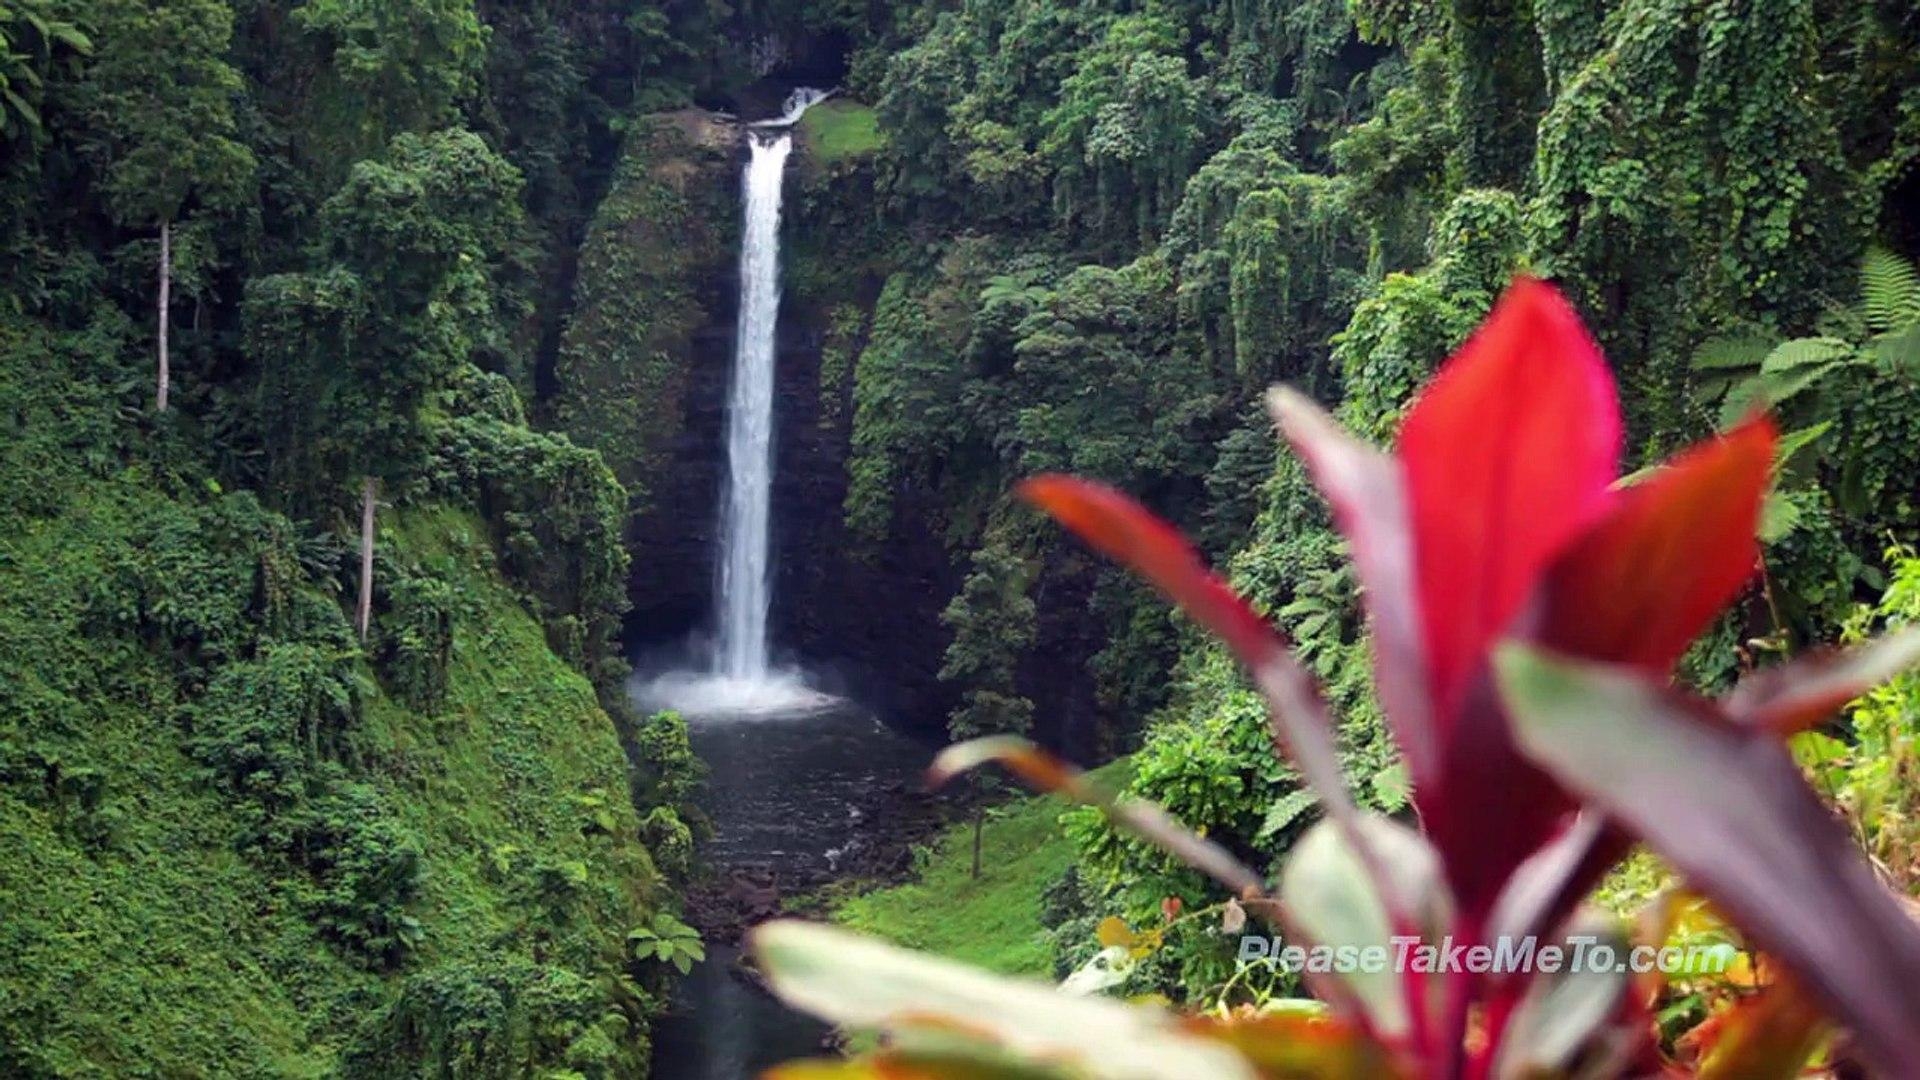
(797, 778)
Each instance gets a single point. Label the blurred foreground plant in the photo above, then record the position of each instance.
(1527, 609)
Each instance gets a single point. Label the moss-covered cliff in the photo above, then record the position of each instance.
(651, 280)
(236, 841)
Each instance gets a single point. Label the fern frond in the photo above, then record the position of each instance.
(1779, 517)
(1889, 290)
(1285, 811)
(1721, 353)
(1803, 352)
(1898, 351)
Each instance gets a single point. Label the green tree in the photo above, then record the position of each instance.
(992, 619)
(355, 353)
(30, 40)
(158, 99)
(391, 66)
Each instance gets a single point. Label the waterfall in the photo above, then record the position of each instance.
(746, 589)
(741, 677)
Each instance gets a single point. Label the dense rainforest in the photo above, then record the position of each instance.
(361, 369)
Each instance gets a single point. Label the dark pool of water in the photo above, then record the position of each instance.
(785, 790)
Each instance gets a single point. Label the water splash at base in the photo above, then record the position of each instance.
(776, 694)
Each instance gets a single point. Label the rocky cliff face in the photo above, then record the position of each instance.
(643, 365)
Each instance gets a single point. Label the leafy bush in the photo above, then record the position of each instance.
(669, 941)
(490, 1020)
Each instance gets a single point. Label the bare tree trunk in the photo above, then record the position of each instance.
(363, 616)
(166, 303)
(979, 819)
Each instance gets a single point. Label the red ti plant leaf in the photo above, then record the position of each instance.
(1638, 587)
(1644, 582)
(1509, 454)
(1800, 693)
(1726, 805)
(1129, 533)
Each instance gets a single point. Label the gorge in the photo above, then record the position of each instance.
(693, 405)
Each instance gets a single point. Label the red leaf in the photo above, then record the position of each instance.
(1128, 533)
(1364, 489)
(1802, 692)
(1508, 456)
(1726, 806)
(1648, 578)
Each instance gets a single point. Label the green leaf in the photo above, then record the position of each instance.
(1803, 352)
(1889, 290)
(1794, 441)
(1898, 351)
(858, 982)
(1779, 517)
(1285, 811)
(1725, 353)
(1392, 787)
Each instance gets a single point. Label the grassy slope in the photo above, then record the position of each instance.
(838, 128)
(139, 934)
(993, 922)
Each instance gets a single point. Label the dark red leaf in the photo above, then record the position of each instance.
(1649, 577)
(1801, 693)
(1508, 456)
(1128, 532)
(1726, 805)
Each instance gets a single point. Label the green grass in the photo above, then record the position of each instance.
(837, 129)
(992, 922)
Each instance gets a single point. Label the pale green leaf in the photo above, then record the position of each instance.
(1334, 903)
(859, 982)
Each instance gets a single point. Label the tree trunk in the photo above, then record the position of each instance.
(363, 615)
(166, 303)
(979, 819)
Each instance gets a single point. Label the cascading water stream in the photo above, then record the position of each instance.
(746, 589)
(789, 793)
(741, 676)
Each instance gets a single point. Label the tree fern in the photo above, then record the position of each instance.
(1889, 291)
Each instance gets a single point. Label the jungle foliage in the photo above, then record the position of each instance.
(254, 259)
(1104, 228)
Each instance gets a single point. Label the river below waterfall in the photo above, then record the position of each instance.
(793, 793)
